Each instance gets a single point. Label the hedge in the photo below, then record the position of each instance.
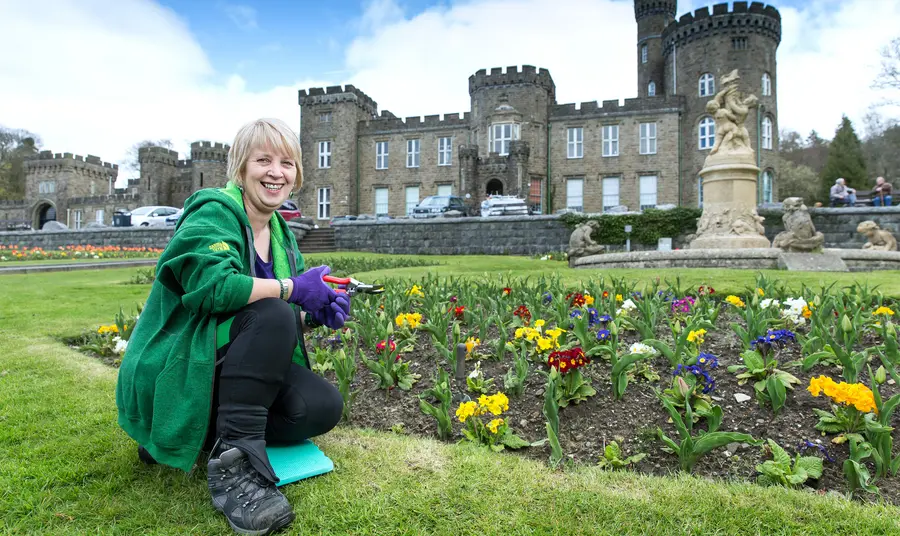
(647, 227)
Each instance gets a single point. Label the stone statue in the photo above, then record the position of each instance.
(581, 244)
(879, 239)
(799, 233)
(730, 109)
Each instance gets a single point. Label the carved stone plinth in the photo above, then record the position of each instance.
(729, 219)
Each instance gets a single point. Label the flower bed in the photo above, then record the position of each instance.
(15, 253)
(784, 388)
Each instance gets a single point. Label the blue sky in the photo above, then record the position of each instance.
(106, 74)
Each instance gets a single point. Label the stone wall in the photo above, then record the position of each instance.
(839, 224)
(127, 237)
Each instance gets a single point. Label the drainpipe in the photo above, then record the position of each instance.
(680, 150)
(758, 152)
(357, 174)
(549, 197)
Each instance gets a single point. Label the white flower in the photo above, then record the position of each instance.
(629, 305)
(2, 258)
(768, 302)
(121, 345)
(544, 258)
(794, 310)
(640, 348)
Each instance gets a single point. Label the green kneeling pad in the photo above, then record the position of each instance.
(296, 462)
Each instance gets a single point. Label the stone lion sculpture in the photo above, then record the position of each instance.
(799, 233)
(580, 242)
(879, 239)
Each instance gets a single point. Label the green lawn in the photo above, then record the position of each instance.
(66, 468)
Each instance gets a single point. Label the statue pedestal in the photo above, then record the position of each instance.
(729, 219)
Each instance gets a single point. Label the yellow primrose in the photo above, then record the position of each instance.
(555, 332)
(734, 300)
(494, 424)
(471, 343)
(884, 311)
(416, 290)
(466, 410)
(588, 299)
(618, 297)
(539, 323)
(696, 336)
(761, 292)
(544, 343)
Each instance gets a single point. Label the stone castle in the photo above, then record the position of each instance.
(516, 139)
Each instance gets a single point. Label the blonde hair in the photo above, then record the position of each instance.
(261, 133)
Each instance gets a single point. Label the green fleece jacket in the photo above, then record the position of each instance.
(165, 385)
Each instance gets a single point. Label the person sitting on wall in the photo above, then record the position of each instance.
(882, 193)
(216, 361)
(841, 194)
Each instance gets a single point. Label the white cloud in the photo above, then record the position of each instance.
(98, 78)
(420, 65)
(244, 17)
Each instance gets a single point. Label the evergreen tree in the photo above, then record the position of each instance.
(845, 159)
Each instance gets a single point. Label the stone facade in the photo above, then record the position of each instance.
(673, 55)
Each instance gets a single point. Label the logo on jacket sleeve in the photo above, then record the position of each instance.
(219, 246)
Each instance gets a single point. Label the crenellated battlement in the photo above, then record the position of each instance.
(388, 122)
(334, 94)
(157, 155)
(646, 8)
(209, 151)
(527, 75)
(184, 164)
(592, 109)
(741, 20)
(61, 159)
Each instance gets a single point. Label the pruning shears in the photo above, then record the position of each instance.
(352, 286)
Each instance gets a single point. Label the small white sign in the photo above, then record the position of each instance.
(665, 244)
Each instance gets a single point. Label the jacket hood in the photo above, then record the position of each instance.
(229, 197)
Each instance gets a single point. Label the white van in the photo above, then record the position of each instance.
(504, 205)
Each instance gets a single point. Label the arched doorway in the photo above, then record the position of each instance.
(494, 187)
(43, 213)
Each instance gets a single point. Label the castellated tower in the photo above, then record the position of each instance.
(508, 107)
(329, 137)
(652, 17)
(208, 165)
(698, 50)
(51, 180)
(159, 174)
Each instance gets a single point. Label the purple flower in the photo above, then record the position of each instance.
(706, 381)
(807, 444)
(707, 361)
(603, 335)
(547, 298)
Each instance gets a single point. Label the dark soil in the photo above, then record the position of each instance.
(586, 428)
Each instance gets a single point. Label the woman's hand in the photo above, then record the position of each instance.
(310, 292)
(334, 314)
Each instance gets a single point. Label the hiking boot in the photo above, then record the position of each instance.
(252, 504)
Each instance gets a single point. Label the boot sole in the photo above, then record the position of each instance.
(279, 524)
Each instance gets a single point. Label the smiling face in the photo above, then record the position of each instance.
(269, 177)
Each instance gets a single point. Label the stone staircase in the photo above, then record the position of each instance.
(317, 241)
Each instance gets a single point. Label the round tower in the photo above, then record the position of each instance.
(652, 17)
(706, 45)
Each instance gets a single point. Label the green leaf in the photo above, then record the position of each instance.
(812, 465)
(513, 441)
(779, 456)
(753, 360)
(668, 441)
(714, 440)
(775, 390)
(714, 418)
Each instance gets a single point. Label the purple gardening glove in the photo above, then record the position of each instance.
(310, 292)
(334, 314)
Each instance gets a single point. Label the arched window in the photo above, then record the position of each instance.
(707, 85)
(768, 186)
(766, 85)
(700, 192)
(767, 133)
(651, 89)
(707, 133)
(644, 54)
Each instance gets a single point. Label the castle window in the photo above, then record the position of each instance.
(445, 152)
(412, 153)
(707, 134)
(575, 194)
(77, 214)
(648, 138)
(768, 186)
(610, 193)
(501, 136)
(739, 43)
(651, 89)
(611, 140)
(98, 216)
(325, 117)
(766, 85)
(700, 192)
(767, 133)
(324, 154)
(412, 198)
(644, 54)
(647, 187)
(46, 187)
(445, 189)
(201, 179)
(707, 85)
(536, 195)
(324, 204)
(575, 144)
(381, 201)
(381, 155)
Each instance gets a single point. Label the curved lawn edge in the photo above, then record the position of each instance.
(66, 468)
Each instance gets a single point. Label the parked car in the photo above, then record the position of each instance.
(504, 205)
(152, 215)
(341, 218)
(289, 210)
(435, 205)
(172, 220)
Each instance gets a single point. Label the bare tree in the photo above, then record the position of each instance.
(131, 164)
(15, 146)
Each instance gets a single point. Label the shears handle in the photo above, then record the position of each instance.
(337, 281)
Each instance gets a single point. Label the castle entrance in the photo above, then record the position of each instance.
(494, 187)
(43, 213)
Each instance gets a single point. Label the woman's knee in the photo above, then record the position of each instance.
(272, 320)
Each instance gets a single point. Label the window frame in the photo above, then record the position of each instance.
(406, 192)
(503, 140)
(382, 151)
(609, 142)
(645, 54)
(413, 150)
(445, 151)
(324, 154)
(77, 216)
(571, 181)
(707, 85)
(706, 141)
(767, 128)
(604, 196)
(651, 89)
(99, 215)
(642, 195)
(449, 190)
(766, 85)
(767, 186)
(574, 144)
(323, 203)
(650, 139)
(386, 204)
(326, 116)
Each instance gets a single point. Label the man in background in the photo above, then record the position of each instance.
(841, 194)
(881, 196)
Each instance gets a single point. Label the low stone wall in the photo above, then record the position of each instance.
(126, 237)
(839, 224)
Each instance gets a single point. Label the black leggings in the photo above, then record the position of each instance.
(260, 396)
